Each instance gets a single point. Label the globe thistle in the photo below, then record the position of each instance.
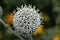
(26, 20)
(1, 10)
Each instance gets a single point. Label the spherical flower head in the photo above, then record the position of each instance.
(26, 20)
(1, 10)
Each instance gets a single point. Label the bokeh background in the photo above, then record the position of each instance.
(51, 15)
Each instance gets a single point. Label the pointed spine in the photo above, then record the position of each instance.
(34, 7)
(18, 8)
(25, 5)
(37, 10)
(30, 6)
(22, 6)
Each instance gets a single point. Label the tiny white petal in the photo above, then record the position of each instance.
(30, 6)
(37, 10)
(22, 6)
(25, 6)
(18, 8)
(34, 7)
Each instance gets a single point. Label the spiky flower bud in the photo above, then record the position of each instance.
(26, 20)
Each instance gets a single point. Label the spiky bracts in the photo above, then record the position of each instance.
(26, 20)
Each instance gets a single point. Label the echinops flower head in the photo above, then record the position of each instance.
(26, 20)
